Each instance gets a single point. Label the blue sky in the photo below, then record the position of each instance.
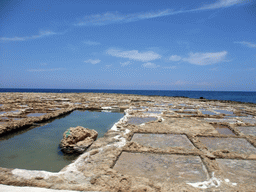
(158, 45)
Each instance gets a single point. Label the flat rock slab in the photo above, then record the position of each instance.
(239, 171)
(237, 145)
(161, 167)
(163, 141)
(247, 130)
(178, 125)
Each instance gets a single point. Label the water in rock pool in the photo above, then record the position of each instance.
(38, 148)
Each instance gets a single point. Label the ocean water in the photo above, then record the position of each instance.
(242, 96)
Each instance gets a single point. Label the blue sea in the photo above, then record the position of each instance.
(248, 97)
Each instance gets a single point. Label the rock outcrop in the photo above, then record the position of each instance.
(77, 139)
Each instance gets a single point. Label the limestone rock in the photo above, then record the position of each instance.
(77, 139)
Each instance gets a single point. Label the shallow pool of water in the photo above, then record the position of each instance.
(224, 112)
(38, 148)
(208, 113)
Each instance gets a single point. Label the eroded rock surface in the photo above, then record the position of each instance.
(77, 139)
(199, 167)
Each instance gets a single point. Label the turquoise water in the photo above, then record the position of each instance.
(38, 148)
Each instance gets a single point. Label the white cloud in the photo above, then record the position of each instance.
(115, 17)
(221, 4)
(44, 70)
(206, 58)
(125, 63)
(91, 42)
(248, 44)
(135, 55)
(95, 61)
(175, 58)
(41, 34)
(150, 65)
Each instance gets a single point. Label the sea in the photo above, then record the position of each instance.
(240, 96)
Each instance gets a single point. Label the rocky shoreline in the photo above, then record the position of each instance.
(103, 166)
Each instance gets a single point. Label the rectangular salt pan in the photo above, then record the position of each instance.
(208, 113)
(163, 141)
(140, 120)
(247, 130)
(237, 145)
(224, 112)
(155, 112)
(223, 130)
(239, 171)
(248, 120)
(162, 167)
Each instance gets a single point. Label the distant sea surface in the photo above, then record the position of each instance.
(248, 97)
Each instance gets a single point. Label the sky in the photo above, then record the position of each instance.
(137, 44)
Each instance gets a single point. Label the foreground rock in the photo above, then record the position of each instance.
(77, 139)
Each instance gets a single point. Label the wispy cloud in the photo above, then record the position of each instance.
(248, 44)
(125, 63)
(91, 42)
(222, 4)
(45, 70)
(150, 65)
(116, 17)
(134, 55)
(40, 35)
(92, 61)
(206, 58)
